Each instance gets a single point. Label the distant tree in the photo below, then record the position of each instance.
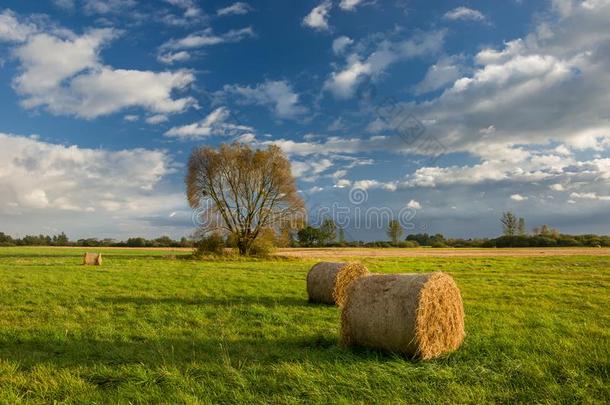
(6, 240)
(510, 224)
(249, 190)
(164, 241)
(521, 227)
(546, 231)
(327, 232)
(308, 236)
(423, 239)
(341, 235)
(286, 235)
(136, 242)
(395, 231)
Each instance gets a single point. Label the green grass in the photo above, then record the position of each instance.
(144, 328)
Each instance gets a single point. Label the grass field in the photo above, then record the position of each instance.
(150, 328)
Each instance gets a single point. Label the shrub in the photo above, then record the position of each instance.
(407, 244)
(262, 248)
(213, 244)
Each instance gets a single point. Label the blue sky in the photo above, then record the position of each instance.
(447, 113)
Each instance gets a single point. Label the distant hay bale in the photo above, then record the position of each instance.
(93, 259)
(419, 315)
(327, 282)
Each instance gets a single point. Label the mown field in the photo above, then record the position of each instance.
(148, 328)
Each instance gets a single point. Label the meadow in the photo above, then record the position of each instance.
(155, 327)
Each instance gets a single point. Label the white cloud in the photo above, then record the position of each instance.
(108, 6)
(173, 57)
(62, 72)
(518, 197)
(279, 95)
(343, 183)
(310, 170)
(36, 175)
(343, 83)
(12, 30)
(215, 123)
(341, 43)
(375, 184)
(191, 9)
(64, 4)
(131, 118)
(191, 14)
(315, 189)
(349, 5)
(535, 90)
(445, 71)
(317, 18)
(157, 119)
(590, 196)
(238, 8)
(557, 187)
(208, 38)
(414, 205)
(464, 13)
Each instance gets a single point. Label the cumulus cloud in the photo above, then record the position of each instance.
(342, 83)
(12, 30)
(310, 170)
(442, 73)
(317, 18)
(590, 196)
(518, 197)
(277, 95)
(557, 187)
(464, 13)
(218, 122)
(63, 73)
(341, 43)
(238, 8)
(36, 175)
(375, 184)
(414, 205)
(349, 5)
(548, 87)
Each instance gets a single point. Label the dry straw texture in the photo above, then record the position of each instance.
(419, 315)
(327, 282)
(93, 259)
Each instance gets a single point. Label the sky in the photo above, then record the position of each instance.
(442, 114)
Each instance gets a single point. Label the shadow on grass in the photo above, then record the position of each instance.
(243, 300)
(180, 352)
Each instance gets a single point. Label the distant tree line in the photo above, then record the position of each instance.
(62, 240)
(328, 234)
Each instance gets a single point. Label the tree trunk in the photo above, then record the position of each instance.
(243, 245)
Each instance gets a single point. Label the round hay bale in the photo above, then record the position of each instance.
(92, 259)
(419, 315)
(327, 282)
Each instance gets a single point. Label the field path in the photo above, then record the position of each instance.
(440, 252)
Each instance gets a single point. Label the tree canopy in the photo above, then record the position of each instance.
(243, 190)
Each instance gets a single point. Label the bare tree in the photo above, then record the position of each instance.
(247, 190)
